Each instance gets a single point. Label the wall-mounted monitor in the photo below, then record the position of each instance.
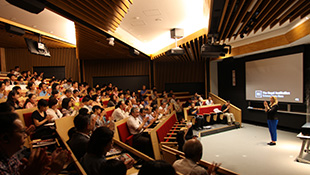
(33, 47)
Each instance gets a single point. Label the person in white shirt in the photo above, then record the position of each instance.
(52, 110)
(209, 101)
(119, 112)
(75, 96)
(141, 140)
(38, 81)
(87, 104)
(75, 86)
(68, 94)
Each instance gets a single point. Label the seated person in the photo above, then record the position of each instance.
(178, 109)
(96, 116)
(31, 101)
(55, 94)
(12, 138)
(113, 100)
(3, 92)
(199, 101)
(209, 101)
(96, 101)
(230, 116)
(68, 94)
(79, 139)
(119, 112)
(13, 100)
(43, 90)
(136, 126)
(75, 97)
(156, 167)
(144, 114)
(52, 110)
(193, 153)
(40, 118)
(31, 88)
(68, 109)
(143, 92)
(113, 167)
(87, 104)
(199, 119)
(99, 144)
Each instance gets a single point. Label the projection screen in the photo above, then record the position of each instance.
(278, 76)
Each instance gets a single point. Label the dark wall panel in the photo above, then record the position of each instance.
(178, 72)
(133, 83)
(115, 68)
(236, 94)
(59, 57)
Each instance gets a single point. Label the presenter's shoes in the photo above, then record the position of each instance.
(271, 144)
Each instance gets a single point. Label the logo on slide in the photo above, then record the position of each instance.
(258, 94)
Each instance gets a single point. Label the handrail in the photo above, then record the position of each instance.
(201, 162)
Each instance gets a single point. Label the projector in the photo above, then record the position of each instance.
(214, 50)
(175, 51)
(305, 129)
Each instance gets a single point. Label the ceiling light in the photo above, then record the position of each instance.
(111, 41)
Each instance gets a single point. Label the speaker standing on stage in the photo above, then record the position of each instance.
(272, 119)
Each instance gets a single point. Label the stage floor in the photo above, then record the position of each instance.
(246, 152)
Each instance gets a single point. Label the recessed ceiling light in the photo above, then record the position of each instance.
(137, 17)
(34, 26)
(13, 19)
(158, 19)
(51, 32)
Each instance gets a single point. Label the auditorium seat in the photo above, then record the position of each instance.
(124, 134)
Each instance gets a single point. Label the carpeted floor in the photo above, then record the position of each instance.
(246, 152)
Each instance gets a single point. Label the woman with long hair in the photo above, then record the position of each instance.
(31, 101)
(272, 119)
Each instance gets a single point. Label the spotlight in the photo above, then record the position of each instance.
(111, 41)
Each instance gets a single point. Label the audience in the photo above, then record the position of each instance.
(96, 116)
(209, 101)
(91, 151)
(53, 110)
(12, 100)
(230, 116)
(40, 119)
(68, 109)
(31, 101)
(119, 112)
(99, 144)
(79, 139)
(113, 167)
(136, 126)
(156, 167)
(193, 153)
(12, 139)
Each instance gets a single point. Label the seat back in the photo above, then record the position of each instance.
(63, 125)
(123, 132)
(109, 111)
(28, 119)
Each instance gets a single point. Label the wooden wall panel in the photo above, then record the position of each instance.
(106, 68)
(59, 57)
(178, 72)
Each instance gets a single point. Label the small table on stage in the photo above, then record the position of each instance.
(305, 140)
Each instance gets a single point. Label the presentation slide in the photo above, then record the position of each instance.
(281, 77)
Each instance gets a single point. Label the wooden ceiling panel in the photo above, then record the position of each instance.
(94, 45)
(104, 14)
(242, 17)
(10, 40)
